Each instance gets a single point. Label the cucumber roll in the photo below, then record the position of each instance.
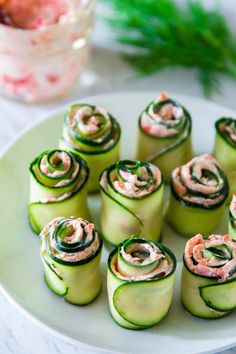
(140, 282)
(208, 285)
(92, 133)
(199, 191)
(132, 198)
(164, 136)
(70, 252)
(58, 187)
(232, 218)
(225, 148)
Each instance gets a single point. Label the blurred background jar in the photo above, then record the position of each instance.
(44, 44)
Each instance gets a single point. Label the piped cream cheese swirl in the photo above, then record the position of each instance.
(163, 117)
(90, 128)
(201, 182)
(133, 179)
(70, 241)
(60, 173)
(212, 257)
(139, 259)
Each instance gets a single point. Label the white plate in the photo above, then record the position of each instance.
(21, 270)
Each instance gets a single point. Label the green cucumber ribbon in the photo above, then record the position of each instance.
(209, 276)
(140, 282)
(94, 134)
(165, 135)
(71, 251)
(232, 218)
(58, 186)
(225, 149)
(226, 129)
(132, 198)
(199, 190)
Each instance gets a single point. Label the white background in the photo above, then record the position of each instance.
(106, 72)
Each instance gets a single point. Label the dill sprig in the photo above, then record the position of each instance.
(163, 34)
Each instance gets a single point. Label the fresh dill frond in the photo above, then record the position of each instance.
(163, 34)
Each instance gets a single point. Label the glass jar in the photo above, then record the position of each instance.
(43, 64)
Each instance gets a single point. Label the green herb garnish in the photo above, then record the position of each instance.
(164, 34)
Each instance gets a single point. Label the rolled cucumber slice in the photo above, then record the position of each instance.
(225, 149)
(164, 150)
(58, 187)
(199, 191)
(122, 214)
(208, 283)
(93, 134)
(72, 266)
(140, 294)
(221, 296)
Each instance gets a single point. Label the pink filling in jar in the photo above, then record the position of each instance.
(43, 47)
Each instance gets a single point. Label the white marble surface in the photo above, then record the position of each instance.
(106, 72)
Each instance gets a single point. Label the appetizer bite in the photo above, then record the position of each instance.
(58, 186)
(208, 285)
(140, 282)
(232, 218)
(164, 136)
(199, 191)
(92, 133)
(132, 198)
(71, 251)
(225, 149)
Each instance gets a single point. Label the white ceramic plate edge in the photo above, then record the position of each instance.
(27, 313)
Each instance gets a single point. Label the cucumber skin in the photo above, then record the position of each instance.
(116, 227)
(175, 157)
(231, 175)
(83, 281)
(228, 287)
(171, 158)
(232, 231)
(188, 221)
(96, 162)
(32, 223)
(113, 282)
(191, 298)
(47, 281)
(148, 145)
(131, 216)
(164, 300)
(42, 213)
(226, 155)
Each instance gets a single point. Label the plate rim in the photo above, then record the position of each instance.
(3, 151)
